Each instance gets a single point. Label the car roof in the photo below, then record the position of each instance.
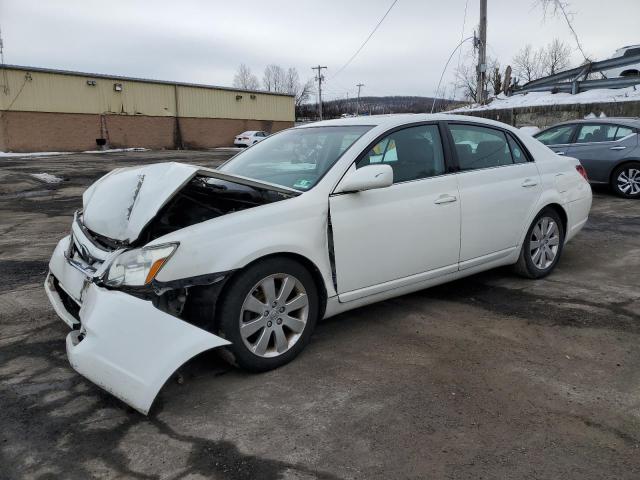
(626, 121)
(398, 119)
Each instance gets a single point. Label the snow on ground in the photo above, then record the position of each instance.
(49, 154)
(46, 177)
(532, 99)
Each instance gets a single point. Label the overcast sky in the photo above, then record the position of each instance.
(204, 41)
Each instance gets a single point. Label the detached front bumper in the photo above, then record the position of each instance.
(121, 343)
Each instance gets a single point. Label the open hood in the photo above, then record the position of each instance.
(122, 203)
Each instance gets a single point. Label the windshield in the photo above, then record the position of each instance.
(296, 158)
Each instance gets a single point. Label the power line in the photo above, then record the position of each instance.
(464, 24)
(445, 69)
(365, 42)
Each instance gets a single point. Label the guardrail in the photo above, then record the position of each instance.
(574, 80)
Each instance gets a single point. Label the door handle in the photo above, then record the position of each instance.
(529, 183)
(560, 153)
(618, 148)
(445, 199)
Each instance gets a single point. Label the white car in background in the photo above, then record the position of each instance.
(168, 260)
(632, 70)
(248, 138)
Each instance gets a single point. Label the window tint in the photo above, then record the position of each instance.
(623, 132)
(596, 133)
(413, 153)
(556, 136)
(480, 147)
(516, 152)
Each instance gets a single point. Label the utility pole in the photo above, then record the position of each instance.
(360, 85)
(319, 79)
(481, 45)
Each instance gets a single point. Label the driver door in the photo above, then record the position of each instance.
(390, 237)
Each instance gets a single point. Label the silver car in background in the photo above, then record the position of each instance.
(608, 149)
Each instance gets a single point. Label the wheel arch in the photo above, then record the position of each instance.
(621, 163)
(562, 213)
(313, 269)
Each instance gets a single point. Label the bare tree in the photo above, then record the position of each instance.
(496, 81)
(527, 64)
(557, 57)
(561, 8)
(467, 81)
(274, 79)
(245, 79)
(303, 92)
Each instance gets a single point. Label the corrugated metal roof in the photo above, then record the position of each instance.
(135, 79)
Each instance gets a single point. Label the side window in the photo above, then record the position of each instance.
(596, 133)
(557, 135)
(516, 151)
(480, 147)
(413, 153)
(623, 132)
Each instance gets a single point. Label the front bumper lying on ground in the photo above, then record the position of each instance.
(120, 342)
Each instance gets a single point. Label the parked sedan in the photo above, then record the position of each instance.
(166, 261)
(248, 138)
(608, 149)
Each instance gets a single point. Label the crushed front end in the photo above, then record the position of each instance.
(127, 341)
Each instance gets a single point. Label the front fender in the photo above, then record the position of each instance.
(232, 242)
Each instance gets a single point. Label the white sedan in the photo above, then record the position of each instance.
(169, 260)
(248, 138)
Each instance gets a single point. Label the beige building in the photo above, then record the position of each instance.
(52, 110)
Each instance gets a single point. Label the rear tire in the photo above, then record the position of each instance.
(268, 312)
(625, 180)
(542, 245)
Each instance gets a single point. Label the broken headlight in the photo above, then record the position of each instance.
(140, 266)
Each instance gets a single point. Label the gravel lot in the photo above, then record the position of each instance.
(488, 377)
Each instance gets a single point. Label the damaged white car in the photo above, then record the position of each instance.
(168, 260)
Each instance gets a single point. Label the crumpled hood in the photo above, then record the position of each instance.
(120, 204)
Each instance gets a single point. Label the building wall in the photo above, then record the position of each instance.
(49, 111)
(66, 132)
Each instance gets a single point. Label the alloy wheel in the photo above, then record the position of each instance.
(544, 242)
(274, 315)
(629, 181)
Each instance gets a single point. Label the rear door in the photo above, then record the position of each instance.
(600, 147)
(499, 188)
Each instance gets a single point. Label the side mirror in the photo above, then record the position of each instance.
(366, 178)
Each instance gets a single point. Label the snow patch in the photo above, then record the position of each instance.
(50, 154)
(32, 154)
(536, 99)
(46, 177)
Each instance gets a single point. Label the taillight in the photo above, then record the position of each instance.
(582, 172)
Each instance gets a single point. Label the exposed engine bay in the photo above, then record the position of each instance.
(204, 198)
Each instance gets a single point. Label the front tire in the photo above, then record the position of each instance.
(268, 313)
(542, 246)
(625, 180)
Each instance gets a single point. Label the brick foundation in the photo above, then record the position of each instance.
(41, 132)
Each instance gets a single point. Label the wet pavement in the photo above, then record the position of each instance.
(492, 376)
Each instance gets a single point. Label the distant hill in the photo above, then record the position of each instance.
(376, 105)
